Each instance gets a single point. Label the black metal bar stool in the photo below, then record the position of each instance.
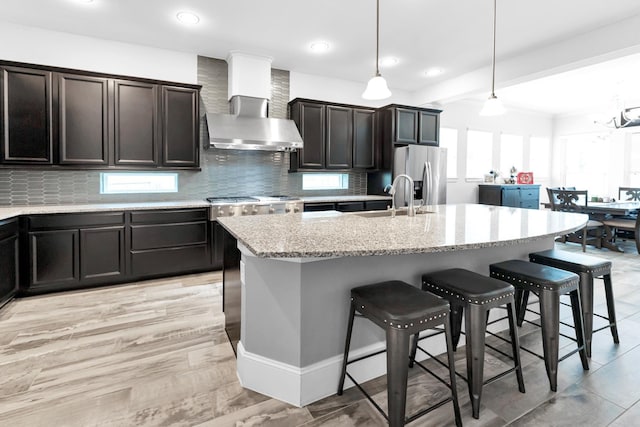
(587, 268)
(401, 310)
(548, 283)
(475, 295)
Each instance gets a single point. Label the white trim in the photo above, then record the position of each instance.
(302, 386)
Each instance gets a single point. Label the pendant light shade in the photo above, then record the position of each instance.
(493, 106)
(377, 87)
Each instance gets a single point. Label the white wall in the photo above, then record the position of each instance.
(329, 89)
(464, 115)
(44, 47)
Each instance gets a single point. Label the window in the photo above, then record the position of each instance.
(634, 170)
(449, 140)
(131, 182)
(585, 156)
(325, 181)
(511, 153)
(539, 157)
(479, 154)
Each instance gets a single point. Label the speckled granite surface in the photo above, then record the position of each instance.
(447, 228)
(12, 211)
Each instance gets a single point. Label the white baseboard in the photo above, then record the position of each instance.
(302, 386)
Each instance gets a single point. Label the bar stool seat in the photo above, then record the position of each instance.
(548, 283)
(475, 295)
(401, 310)
(587, 268)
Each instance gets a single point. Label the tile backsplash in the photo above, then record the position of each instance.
(224, 172)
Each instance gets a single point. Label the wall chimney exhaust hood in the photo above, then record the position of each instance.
(248, 126)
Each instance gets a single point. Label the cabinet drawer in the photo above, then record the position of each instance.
(377, 205)
(66, 220)
(529, 204)
(529, 194)
(350, 206)
(171, 215)
(315, 207)
(167, 235)
(170, 260)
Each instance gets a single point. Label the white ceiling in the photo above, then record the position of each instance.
(454, 35)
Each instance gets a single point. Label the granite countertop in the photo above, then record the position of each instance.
(447, 228)
(13, 211)
(330, 199)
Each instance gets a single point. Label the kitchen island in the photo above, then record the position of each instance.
(296, 272)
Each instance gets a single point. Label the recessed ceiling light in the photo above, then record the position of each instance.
(388, 61)
(84, 1)
(433, 72)
(319, 47)
(188, 18)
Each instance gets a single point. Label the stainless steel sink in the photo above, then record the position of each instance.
(387, 213)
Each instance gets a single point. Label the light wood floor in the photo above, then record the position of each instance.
(155, 354)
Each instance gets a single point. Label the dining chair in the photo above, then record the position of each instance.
(576, 201)
(629, 194)
(631, 226)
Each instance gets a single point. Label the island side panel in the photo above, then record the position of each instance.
(295, 315)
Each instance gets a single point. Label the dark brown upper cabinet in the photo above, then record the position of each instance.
(410, 125)
(136, 134)
(83, 119)
(364, 127)
(310, 119)
(26, 109)
(339, 144)
(336, 136)
(180, 127)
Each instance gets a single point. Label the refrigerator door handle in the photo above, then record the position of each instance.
(429, 183)
(425, 183)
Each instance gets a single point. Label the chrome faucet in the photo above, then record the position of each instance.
(392, 191)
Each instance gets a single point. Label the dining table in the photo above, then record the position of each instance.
(601, 211)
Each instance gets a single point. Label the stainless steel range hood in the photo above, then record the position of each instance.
(248, 126)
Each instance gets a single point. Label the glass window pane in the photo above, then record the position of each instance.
(325, 181)
(511, 153)
(130, 182)
(479, 154)
(449, 140)
(539, 157)
(585, 157)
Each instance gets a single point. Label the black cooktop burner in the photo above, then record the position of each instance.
(231, 199)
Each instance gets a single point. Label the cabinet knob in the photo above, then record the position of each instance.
(287, 209)
(296, 209)
(271, 209)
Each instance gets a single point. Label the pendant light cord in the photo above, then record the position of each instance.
(377, 36)
(493, 63)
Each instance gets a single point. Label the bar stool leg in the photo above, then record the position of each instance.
(456, 324)
(397, 372)
(515, 346)
(352, 315)
(452, 374)
(522, 299)
(611, 307)
(586, 300)
(550, 322)
(475, 325)
(577, 321)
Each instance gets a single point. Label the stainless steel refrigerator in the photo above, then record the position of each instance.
(427, 166)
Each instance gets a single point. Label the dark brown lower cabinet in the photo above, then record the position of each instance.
(54, 259)
(8, 260)
(102, 254)
(169, 241)
(217, 245)
(369, 205)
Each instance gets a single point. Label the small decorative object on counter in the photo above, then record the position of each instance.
(525, 178)
(495, 174)
(512, 176)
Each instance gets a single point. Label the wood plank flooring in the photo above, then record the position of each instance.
(155, 354)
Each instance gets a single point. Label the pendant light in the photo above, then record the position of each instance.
(493, 106)
(377, 86)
